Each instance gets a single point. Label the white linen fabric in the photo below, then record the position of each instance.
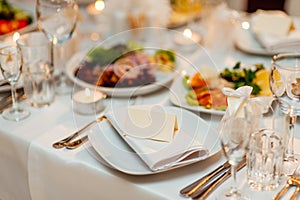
(271, 42)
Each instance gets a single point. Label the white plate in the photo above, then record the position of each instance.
(246, 42)
(162, 79)
(177, 97)
(115, 151)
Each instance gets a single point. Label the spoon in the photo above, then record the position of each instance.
(64, 142)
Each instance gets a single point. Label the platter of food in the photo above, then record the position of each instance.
(14, 17)
(193, 92)
(123, 70)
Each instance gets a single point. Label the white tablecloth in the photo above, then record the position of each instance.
(31, 169)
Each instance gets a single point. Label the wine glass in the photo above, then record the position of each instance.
(11, 67)
(235, 132)
(285, 86)
(57, 19)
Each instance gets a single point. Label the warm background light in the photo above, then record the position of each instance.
(99, 5)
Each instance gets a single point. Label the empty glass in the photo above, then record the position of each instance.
(11, 68)
(37, 69)
(285, 86)
(57, 19)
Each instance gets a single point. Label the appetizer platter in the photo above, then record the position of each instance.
(13, 18)
(194, 92)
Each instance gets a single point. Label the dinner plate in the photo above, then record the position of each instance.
(162, 79)
(177, 97)
(114, 150)
(246, 42)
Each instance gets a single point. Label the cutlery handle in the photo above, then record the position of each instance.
(203, 193)
(62, 143)
(294, 195)
(281, 192)
(190, 189)
(76, 143)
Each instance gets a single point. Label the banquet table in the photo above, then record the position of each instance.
(30, 168)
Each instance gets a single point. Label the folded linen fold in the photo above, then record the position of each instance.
(271, 42)
(183, 149)
(273, 29)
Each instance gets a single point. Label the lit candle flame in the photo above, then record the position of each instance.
(16, 36)
(99, 5)
(187, 33)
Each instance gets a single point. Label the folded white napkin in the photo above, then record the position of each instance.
(158, 155)
(272, 42)
(273, 29)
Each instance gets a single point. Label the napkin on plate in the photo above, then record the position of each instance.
(273, 29)
(178, 148)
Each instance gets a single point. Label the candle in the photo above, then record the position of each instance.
(187, 38)
(96, 8)
(87, 101)
(12, 38)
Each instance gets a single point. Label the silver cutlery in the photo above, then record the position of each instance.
(202, 193)
(4, 82)
(6, 101)
(64, 142)
(192, 188)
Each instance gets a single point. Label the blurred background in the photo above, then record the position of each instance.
(292, 7)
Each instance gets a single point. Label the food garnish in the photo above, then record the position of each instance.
(241, 76)
(207, 92)
(204, 92)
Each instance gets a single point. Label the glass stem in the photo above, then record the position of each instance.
(233, 189)
(290, 149)
(13, 96)
(52, 54)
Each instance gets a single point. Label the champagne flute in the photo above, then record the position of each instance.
(235, 132)
(285, 86)
(11, 67)
(57, 19)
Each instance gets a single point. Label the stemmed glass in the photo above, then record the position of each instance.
(235, 132)
(11, 67)
(285, 86)
(57, 19)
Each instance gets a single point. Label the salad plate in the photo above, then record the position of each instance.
(246, 42)
(115, 152)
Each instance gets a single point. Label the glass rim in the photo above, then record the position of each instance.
(5, 52)
(42, 40)
(286, 56)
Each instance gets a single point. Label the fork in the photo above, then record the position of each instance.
(64, 142)
(293, 180)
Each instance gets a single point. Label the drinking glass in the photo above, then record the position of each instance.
(57, 19)
(38, 80)
(285, 86)
(11, 67)
(235, 132)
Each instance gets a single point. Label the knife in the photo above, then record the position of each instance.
(190, 189)
(6, 102)
(204, 192)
